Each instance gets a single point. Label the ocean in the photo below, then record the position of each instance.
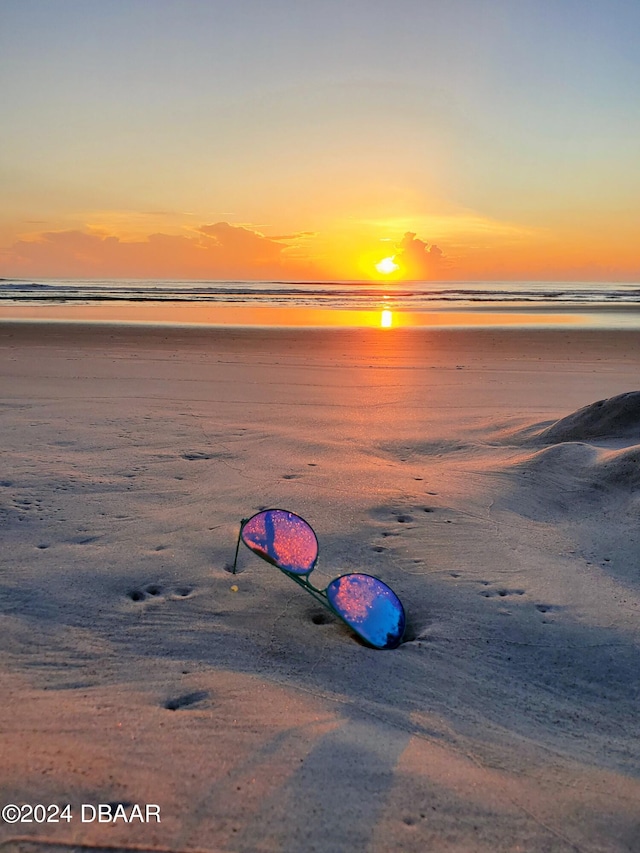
(600, 303)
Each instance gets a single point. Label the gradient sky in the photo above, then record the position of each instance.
(306, 138)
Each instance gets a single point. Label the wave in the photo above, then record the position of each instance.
(403, 295)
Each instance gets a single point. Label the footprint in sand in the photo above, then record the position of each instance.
(182, 592)
(502, 592)
(83, 540)
(136, 595)
(192, 455)
(195, 455)
(322, 618)
(157, 591)
(386, 514)
(186, 700)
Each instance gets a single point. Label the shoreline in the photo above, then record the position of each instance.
(269, 316)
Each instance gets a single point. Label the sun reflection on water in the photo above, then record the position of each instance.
(271, 316)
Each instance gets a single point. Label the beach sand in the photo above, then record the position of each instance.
(133, 673)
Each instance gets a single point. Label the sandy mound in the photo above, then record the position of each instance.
(572, 462)
(616, 417)
(575, 467)
(621, 468)
(572, 472)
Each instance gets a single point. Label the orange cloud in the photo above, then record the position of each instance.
(417, 259)
(217, 251)
(223, 251)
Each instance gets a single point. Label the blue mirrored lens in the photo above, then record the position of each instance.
(282, 538)
(372, 609)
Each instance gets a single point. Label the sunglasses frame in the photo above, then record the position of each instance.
(302, 578)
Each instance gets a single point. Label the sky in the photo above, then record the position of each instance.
(208, 139)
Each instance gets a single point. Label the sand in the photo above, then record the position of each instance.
(461, 467)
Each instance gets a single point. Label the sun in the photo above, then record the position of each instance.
(386, 266)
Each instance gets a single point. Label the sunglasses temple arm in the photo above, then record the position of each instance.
(235, 560)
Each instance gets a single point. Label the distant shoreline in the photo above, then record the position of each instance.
(201, 314)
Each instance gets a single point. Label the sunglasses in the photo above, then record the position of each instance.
(363, 602)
